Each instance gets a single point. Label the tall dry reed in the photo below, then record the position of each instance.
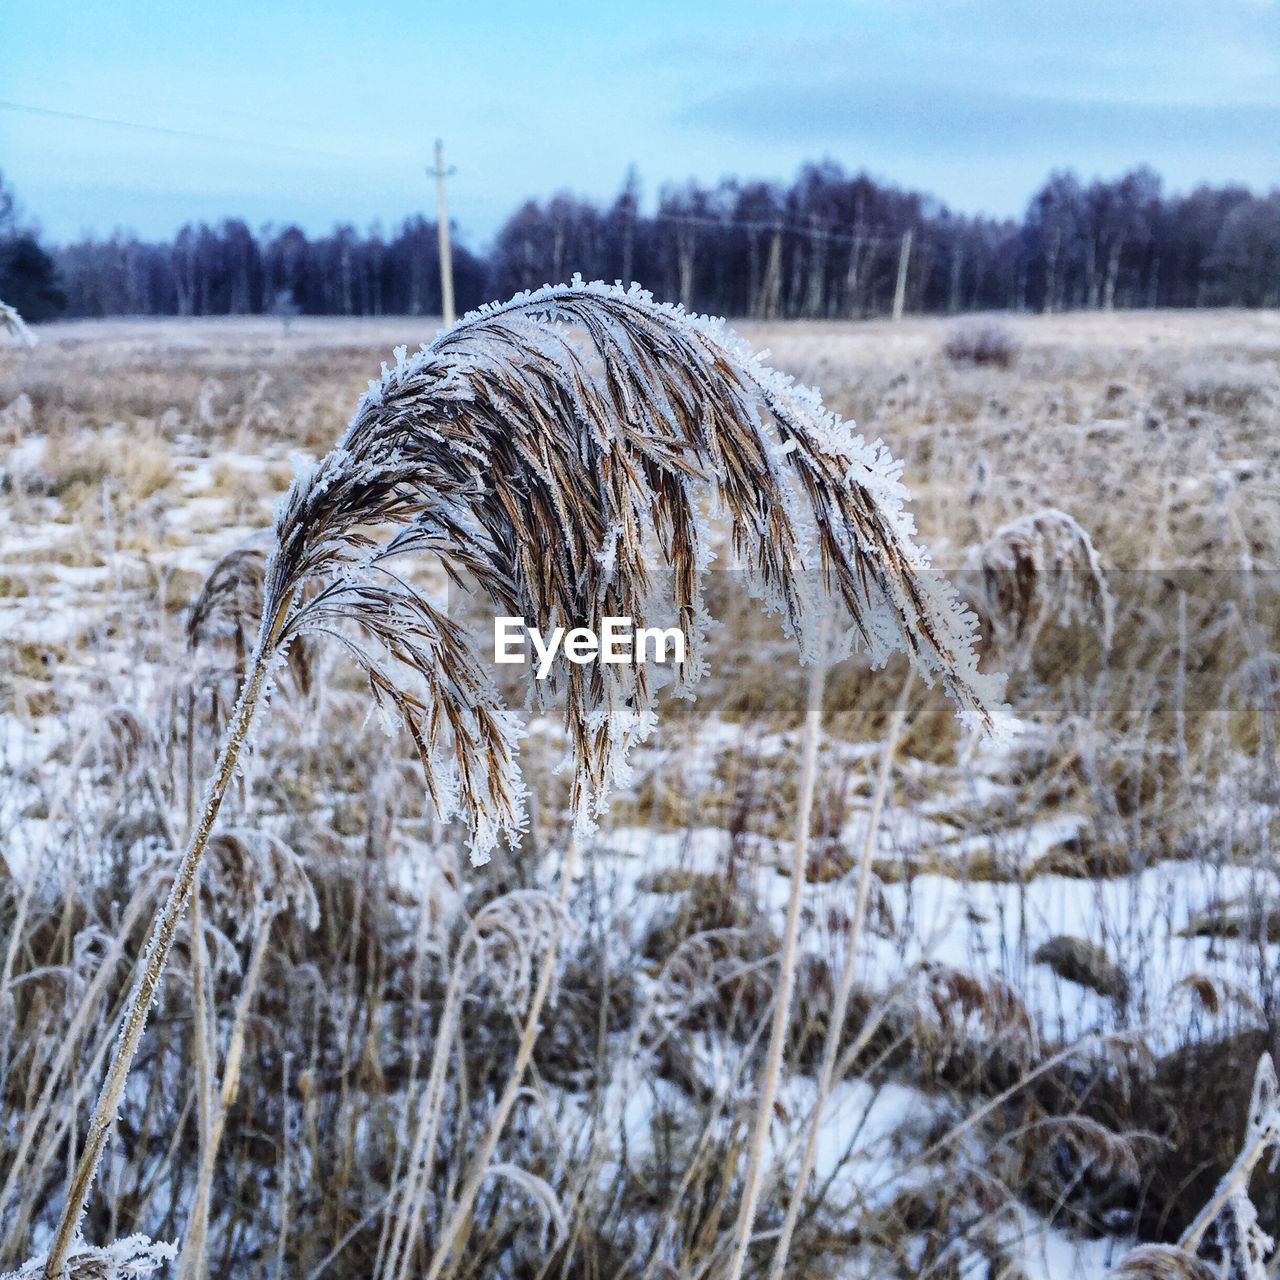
(552, 453)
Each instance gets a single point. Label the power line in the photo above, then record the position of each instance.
(165, 131)
(816, 228)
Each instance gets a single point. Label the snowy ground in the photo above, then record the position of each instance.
(97, 568)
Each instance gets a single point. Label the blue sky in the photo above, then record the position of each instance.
(320, 111)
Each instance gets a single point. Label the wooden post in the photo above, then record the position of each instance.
(446, 252)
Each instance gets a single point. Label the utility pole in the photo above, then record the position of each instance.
(900, 292)
(442, 227)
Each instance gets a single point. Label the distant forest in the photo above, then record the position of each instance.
(829, 245)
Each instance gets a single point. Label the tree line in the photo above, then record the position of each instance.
(829, 245)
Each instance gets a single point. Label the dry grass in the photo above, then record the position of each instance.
(1143, 772)
(982, 343)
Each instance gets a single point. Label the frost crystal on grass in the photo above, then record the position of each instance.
(123, 1260)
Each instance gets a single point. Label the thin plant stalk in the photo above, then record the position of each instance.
(787, 968)
(420, 946)
(840, 1006)
(423, 1151)
(200, 1006)
(200, 1013)
(461, 1211)
(154, 957)
(192, 1261)
(282, 1231)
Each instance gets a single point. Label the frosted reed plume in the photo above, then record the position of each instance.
(1039, 568)
(254, 875)
(225, 616)
(550, 452)
(230, 601)
(15, 326)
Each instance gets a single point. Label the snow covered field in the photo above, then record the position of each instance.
(1105, 878)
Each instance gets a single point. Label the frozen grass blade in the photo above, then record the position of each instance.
(786, 975)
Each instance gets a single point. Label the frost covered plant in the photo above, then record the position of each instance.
(258, 877)
(15, 326)
(1041, 568)
(554, 453)
(254, 876)
(1228, 1223)
(953, 1009)
(1229, 1218)
(227, 611)
(123, 1260)
(502, 944)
